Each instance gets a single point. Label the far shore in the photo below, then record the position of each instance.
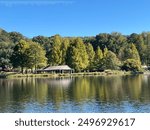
(57, 75)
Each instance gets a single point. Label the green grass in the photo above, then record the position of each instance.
(48, 75)
(6, 74)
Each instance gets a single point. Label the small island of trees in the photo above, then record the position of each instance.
(96, 53)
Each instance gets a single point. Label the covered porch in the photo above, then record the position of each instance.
(58, 69)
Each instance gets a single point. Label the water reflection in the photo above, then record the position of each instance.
(82, 94)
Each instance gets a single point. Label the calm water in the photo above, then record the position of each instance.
(82, 94)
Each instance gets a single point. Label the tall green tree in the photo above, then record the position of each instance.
(91, 54)
(146, 48)
(113, 41)
(139, 42)
(101, 40)
(19, 57)
(64, 48)
(105, 51)
(35, 56)
(6, 50)
(116, 41)
(97, 64)
(55, 53)
(110, 61)
(146, 37)
(129, 52)
(148, 55)
(134, 54)
(77, 57)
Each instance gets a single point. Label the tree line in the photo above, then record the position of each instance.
(103, 51)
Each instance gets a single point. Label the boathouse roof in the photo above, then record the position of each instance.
(60, 67)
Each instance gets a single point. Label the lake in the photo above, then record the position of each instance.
(95, 94)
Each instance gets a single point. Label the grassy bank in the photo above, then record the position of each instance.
(47, 75)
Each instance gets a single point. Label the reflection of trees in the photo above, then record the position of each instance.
(12, 92)
(132, 86)
(98, 88)
(58, 90)
(81, 89)
(17, 92)
(109, 89)
(102, 89)
(145, 91)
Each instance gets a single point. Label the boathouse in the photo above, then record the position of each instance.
(57, 69)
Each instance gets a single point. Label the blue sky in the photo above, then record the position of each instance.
(74, 17)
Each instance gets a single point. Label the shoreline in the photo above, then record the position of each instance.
(6, 75)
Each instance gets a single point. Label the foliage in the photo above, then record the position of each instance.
(28, 54)
(6, 50)
(91, 55)
(64, 48)
(148, 55)
(129, 52)
(4, 36)
(112, 41)
(103, 51)
(35, 56)
(55, 53)
(77, 57)
(138, 41)
(110, 61)
(97, 64)
(131, 65)
(19, 57)
(16, 37)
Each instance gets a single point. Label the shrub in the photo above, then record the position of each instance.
(131, 65)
